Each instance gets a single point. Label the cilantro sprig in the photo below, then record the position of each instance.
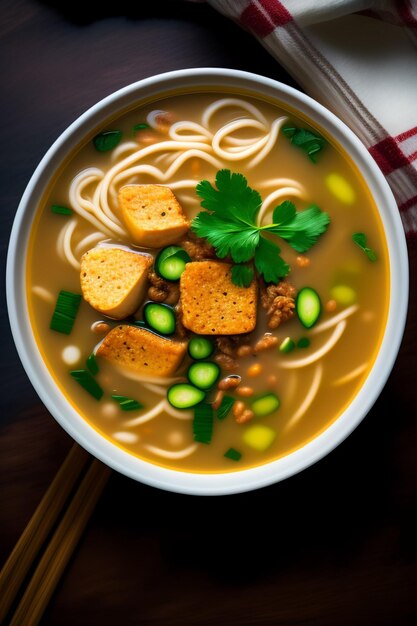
(311, 143)
(360, 240)
(230, 225)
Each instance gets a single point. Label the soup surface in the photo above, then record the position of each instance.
(285, 381)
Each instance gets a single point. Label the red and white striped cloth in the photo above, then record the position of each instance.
(363, 69)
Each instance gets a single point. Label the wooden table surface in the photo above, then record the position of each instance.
(335, 545)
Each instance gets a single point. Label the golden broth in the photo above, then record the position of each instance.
(335, 259)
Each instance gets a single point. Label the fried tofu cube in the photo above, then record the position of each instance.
(114, 280)
(211, 304)
(152, 214)
(142, 351)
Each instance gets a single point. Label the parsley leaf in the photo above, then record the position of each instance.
(269, 263)
(242, 275)
(230, 225)
(360, 240)
(308, 141)
(227, 235)
(300, 228)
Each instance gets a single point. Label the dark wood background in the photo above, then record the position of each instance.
(335, 545)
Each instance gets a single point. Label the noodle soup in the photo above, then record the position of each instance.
(241, 374)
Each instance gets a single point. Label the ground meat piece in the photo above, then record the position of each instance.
(265, 343)
(162, 290)
(227, 345)
(278, 301)
(226, 362)
(156, 294)
(283, 310)
(229, 382)
(173, 294)
(231, 344)
(197, 248)
(228, 348)
(245, 417)
(218, 399)
(241, 413)
(180, 329)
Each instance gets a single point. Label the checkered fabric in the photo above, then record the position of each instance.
(358, 58)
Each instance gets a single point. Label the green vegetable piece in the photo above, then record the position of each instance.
(308, 306)
(300, 229)
(242, 275)
(304, 342)
(343, 294)
(61, 210)
(109, 139)
(287, 345)
(160, 317)
(225, 407)
(230, 225)
(360, 240)
(265, 405)
(127, 404)
(233, 454)
(269, 263)
(170, 262)
(66, 309)
(200, 348)
(87, 382)
(184, 396)
(308, 141)
(203, 423)
(259, 437)
(92, 365)
(140, 126)
(203, 374)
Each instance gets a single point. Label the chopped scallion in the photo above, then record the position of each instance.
(304, 342)
(203, 422)
(107, 140)
(61, 210)
(311, 143)
(127, 404)
(225, 407)
(92, 365)
(87, 382)
(140, 126)
(233, 454)
(287, 345)
(65, 312)
(360, 240)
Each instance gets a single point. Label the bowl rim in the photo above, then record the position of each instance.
(88, 437)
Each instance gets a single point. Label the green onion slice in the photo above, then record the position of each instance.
(140, 126)
(203, 422)
(66, 309)
(87, 382)
(61, 210)
(107, 140)
(225, 407)
(127, 404)
(92, 365)
(233, 454)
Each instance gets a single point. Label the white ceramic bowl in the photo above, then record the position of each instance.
(74, 424)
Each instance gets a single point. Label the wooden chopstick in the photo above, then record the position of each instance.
(39, 527)
(61, 547)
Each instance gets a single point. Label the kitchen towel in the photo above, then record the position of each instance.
(359, 59)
